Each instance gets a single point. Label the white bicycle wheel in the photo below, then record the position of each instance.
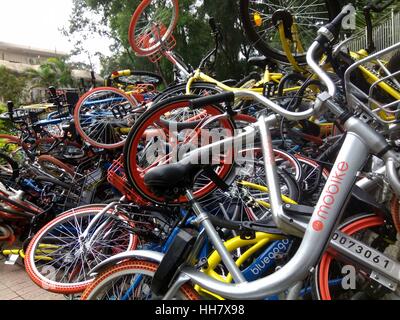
(59, 261)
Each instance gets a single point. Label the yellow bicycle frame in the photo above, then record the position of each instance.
(260, 241)
(43, 248)
(258, 87)
(371, 78)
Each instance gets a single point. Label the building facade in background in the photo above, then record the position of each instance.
(18, 59)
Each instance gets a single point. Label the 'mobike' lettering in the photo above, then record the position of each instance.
(329, 195)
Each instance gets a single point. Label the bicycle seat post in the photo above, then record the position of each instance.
(204, 220)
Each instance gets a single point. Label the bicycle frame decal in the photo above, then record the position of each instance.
(328, 199)
(266, 260)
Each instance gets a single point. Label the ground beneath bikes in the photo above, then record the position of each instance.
(15, 284)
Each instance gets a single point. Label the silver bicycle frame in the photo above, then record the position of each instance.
(360, 142)
(317, 233)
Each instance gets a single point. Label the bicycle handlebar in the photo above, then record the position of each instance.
(313, 56)
(335, 25)
(247, 94)
(217, 98)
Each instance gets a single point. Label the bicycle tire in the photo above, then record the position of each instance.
(11, 138)
(5, 232)
(320, 281)
(137, 132)
(128, 268)
(264, 46)
(395, 212)
(48, 158)
(140, 42)
(45, 234)
(79, 123)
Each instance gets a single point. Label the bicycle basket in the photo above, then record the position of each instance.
(379, 102)
(117, 178)
(154, 35)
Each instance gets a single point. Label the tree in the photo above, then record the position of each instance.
(54, 72)
(5, 124)
(192, 33)
(11, 86)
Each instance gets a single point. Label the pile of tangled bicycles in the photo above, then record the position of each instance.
(282, 185)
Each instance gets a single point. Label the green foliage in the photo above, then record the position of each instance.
(54, 72)
(192, 33)
(11, 86)
(5, 125)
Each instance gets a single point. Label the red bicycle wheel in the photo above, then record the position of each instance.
(152, 24)
(322, 286)
(151, 142)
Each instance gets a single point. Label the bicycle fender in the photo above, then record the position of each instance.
(134, 254)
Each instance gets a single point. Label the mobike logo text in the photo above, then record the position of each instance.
(329, 195)
(281, 247)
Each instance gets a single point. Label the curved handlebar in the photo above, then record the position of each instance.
(335, 25)
(313, 55)
(247, 94)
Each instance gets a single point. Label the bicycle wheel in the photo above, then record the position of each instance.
(152, 23)
(58, 261)
(313, 180)
(56, 168)
(130, 280)
(242, 203)
(241, 200)
(327, 278)
(161, 136)
(308, 15)
(102, 114)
